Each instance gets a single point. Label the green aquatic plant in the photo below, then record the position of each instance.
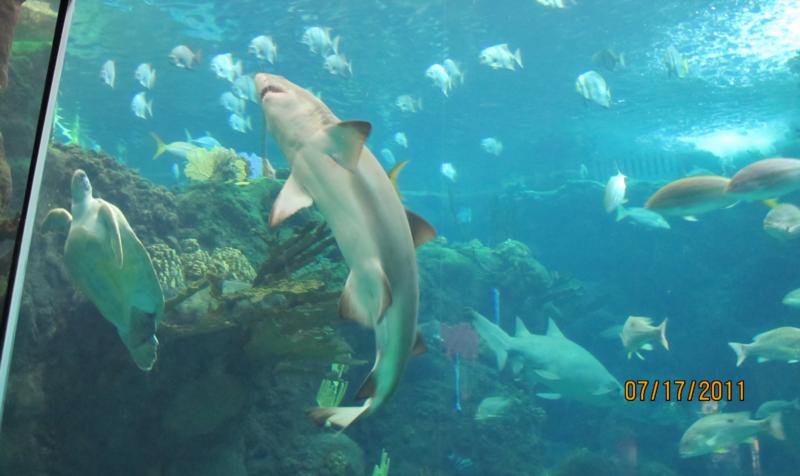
(382, 469)
(332, 390)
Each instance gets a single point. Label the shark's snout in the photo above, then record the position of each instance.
(268, 84)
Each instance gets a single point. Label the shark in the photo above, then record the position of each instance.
(332, 169)
(566, 368)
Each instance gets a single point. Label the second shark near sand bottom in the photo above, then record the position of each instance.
(333, 169)
(565, 367)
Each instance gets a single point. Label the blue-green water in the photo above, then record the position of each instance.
(718, 280)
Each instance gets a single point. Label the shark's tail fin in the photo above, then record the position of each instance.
(663, 329)
(161, 147)
(741, 352)
(774, 426)
(495, 337)
(518, 57)
(339, 416)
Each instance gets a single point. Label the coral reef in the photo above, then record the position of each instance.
(168, 266)
(218, 164)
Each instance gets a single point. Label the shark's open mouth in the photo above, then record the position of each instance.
(270, 89)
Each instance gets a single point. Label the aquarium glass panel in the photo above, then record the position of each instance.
(412, 238)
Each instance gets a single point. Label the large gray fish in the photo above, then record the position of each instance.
(332, 169)
(568, 369)
(9, 12)
(691, 196)
(782, 343)
(765, 179)
(720, 432)
(783, 222)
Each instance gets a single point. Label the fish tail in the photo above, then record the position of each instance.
(152, 80)
(774, 426)
(150, 107)
(336, 44)
(341, 417)
(663, 329)
(621, 213)
(495, 337)
(161, 147)
(198, 57)
(741, 352)
(419, 104)
(622, 59)
(518, 57)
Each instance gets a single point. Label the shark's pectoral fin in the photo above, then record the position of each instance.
(345, 140)
(648, 346)
(419, 346)
(367, 388)
(421, 230)
(106, 216)
(366, 296)
(291, 198)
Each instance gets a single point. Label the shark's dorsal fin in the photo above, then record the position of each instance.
(291, 198)
(366, 295)
(345, 140)
(553, 330)
(421, 231)
(521, 330)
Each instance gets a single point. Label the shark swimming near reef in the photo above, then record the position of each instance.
(566, 368)
(332, 169)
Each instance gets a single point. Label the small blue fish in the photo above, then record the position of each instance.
(206, 142)
(176, 172)
(256, 165)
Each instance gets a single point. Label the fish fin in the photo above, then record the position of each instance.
(761, 360)
(775, 426)
(188, 136)
(553, 330)
(335, 44)
(419, 346)
(394, 173)
(640, 356)
(360, 284)
(721, 451)
(647, 346)
(56, 219)
(741, 352)
(367, 389)
(497, 339)
(421, 231)
(738, 202)
(106, 216)
(161, 147)
(793, 361)
(516, 366)
(663, 334)
(291, 198)
(521, 330)
(621, 213)
(621, 58)
(770, 202)
(518, 57)
(345, 141)
(549, 396)
(150, 107)
(690, 218)
(630, 354)
(338, 416)
(547, 375)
